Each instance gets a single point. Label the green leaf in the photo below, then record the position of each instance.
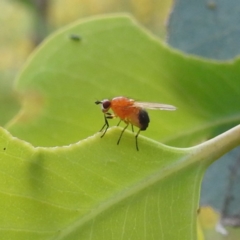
(81, 192)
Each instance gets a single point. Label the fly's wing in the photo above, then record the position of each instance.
(155, 106)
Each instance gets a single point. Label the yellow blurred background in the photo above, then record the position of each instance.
(24, 23)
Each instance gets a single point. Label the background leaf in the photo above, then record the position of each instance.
(9, 105)
(206, 28)
(211, 29)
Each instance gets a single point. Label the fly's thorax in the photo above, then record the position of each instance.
(122, 107)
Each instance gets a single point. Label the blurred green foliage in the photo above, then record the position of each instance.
(25, 23)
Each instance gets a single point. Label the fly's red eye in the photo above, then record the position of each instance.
(106, 104)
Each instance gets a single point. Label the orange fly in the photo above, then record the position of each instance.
(131, 112)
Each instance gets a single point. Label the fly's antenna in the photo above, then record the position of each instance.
(98, 102)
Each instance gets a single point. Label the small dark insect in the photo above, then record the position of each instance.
(131, 112)
(75, 37)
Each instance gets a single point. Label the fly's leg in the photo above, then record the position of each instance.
(106, 117)
(136, 137)
(132, 128)
(105, 124)
(119, 122)
(122, 134)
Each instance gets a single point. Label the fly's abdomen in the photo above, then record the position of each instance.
(143, 119)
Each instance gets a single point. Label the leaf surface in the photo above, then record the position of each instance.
(73, 193)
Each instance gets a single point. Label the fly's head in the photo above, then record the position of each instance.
(105, 104)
